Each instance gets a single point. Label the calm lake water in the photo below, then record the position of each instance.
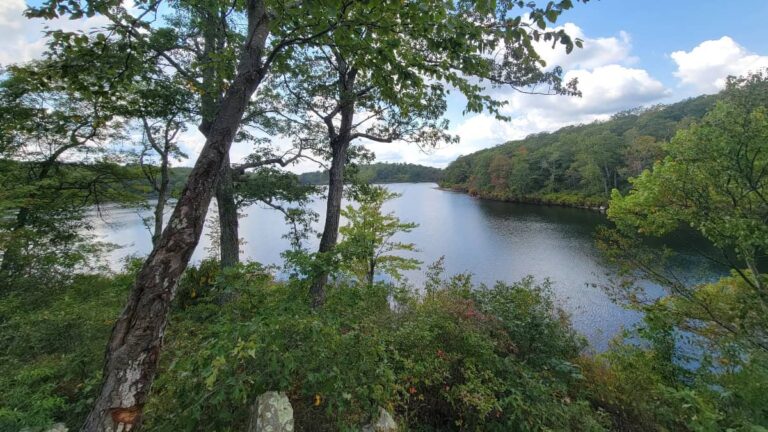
(492, 240)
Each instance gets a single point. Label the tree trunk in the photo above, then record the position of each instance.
(332, 216)
(162, 198)
(12, 255)
(228, 226)
(371, 271)
(133, 351)
(339, 145)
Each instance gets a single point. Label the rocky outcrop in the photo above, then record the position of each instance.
(384, 423)
(272, 412)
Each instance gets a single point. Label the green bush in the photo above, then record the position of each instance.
(455, 358)
(53, 341)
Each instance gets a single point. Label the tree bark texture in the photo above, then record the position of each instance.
(340, 142)
(332, 217)
(132, 354)
(228, 225)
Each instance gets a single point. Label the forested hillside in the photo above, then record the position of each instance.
(382, 173)
(576, 165)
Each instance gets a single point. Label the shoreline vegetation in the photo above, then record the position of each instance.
(576, 166)
(597, 204)
(381, 173)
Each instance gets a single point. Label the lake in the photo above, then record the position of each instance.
(492, 240)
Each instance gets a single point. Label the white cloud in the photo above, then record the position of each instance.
(595, 52)
(707, 65)
(607, 80)
(605, 90)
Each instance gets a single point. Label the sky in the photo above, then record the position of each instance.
(636, 53)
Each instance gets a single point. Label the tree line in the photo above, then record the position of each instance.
(382, 172)
(576, 165)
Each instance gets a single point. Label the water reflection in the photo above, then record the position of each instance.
(492, 240)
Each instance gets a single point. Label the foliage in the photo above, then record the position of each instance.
(282, 191)
(704, 350)
(576, 165)
(55, 167)
(382, 172)
(455, 359)
(367, 238)
(53, 347)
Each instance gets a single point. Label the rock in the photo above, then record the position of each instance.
(384, 423)
(272, 412)
(56, 427)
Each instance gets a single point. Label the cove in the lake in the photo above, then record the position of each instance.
(492, 240)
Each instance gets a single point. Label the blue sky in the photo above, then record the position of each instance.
(659, 27)
(636, 53)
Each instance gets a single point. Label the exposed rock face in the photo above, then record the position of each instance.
(384, 423)
(272, 412)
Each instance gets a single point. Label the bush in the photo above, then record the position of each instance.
(456, 358)
(53, 341)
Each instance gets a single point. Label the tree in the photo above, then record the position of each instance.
(336, 100)
(598, 161)
(161, 110)
(55, 166)
(713, 180)
(134, 347)
(373, 85)
(498, 170)
(640, 155)
(367, 238)
(238, 188)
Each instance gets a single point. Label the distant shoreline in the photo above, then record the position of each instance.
(532, 200)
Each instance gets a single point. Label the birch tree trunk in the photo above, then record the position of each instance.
(133, 351)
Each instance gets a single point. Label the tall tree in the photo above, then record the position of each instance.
(388, 82)
(134, 348)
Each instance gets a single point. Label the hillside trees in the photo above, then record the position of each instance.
(577, 165)
(383, 172)
(714, 180)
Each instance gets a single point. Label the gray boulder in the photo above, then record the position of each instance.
(384, 423)
(272, 412)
